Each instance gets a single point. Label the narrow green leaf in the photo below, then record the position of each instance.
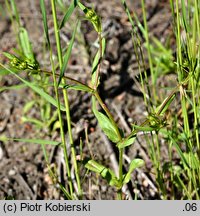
(82, 7)
(34, 141)
(103, 46)
(125, 143)
(165, 104)
(14, 87)
(135, 163)
(15, 11)
(105, 123)
(9, 55)
(94, 166)
(44, 18)
(105, 172)
(38, 90)
(184, 17)
(68, 12)
(95, 66)
(28, 106)
(26, 44)
(34, 121)
(142, 128)
(182, 156)
(192, 160)
(68, 54)
(97, 60)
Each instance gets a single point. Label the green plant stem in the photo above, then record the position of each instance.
(49, 73)
(119, 192)
(148, 49)
(61, 124)
(196, 129)
(138, 51)
(99, 64)
(195, 102)
(53, 175)
(104, 107)
(60, 58)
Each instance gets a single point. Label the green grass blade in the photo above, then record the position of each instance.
(14, 87)
(15, 11)
(36, 122)
(184, 16)
(28, 106)
(33, 141)
(182, 156)
(44, 18)
(68, 13)
(128, 12)
(162, 108)
(68, 54)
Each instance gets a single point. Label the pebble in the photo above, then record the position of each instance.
(11, 172)
(1, 153)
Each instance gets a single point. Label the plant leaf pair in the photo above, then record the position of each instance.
(126, 142)
(105, 123)
(105, 172)
(109, 175)
(135, 163)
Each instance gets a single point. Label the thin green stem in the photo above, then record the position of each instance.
(148, 48)
(180, 72)
(196, 129)
(178, 40)
(138, 51)
(119, 193)
(49, 73)
(104, 107)
(66, 99)
(99, 64)
(61, 124)
(195, 103)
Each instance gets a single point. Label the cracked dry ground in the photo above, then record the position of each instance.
(23, 173)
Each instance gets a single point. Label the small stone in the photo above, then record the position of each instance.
(11, 172)
(1, 153)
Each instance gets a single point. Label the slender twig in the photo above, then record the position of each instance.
(49, 73)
